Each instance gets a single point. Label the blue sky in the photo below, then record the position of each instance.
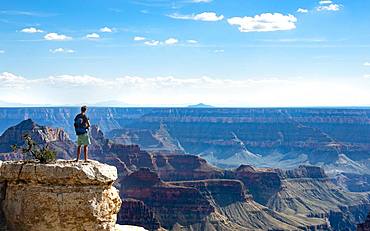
(173, 53)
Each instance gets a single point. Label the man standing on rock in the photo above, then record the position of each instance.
(82, 125)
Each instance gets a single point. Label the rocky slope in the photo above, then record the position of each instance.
(353, 182)
(60, 196)
(56, 138)
(306, 191)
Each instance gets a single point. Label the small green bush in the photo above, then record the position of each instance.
(31, 149)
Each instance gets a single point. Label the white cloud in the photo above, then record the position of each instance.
(139, 38)
(302, 10)
(93, 36)
(192, 41)
(57, 37)
(106, 30)
(61, 50)
(367, 64)
(367, 76)
(264, 22)
(2, 51)
(331, 7)
(10, 80)
(324, 2)
(31, 30)
(171, 41)
(219, 51)
(71, 89)
(74, 80)
(152, 43)
(205, 16)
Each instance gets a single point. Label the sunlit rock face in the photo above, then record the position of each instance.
(55, 138)
(60, 196)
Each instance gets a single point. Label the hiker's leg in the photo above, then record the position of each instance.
(85, 152)
(78, 152)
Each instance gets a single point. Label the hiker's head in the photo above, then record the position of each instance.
(83, 109)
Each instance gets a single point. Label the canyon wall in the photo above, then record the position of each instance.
(336, 138)
(184, 192)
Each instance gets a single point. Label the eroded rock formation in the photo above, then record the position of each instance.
(61, 196)
(172, 204)
(158, 195)
(56, 138)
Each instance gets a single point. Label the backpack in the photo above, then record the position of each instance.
(80, 124)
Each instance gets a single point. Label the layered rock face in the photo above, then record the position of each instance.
(353, 182)
(214, 204)
(334, 138)
(60, 196)
(172, 204)
(184, 167)
(222, 192)
(262, 183)
(56, 138)
(307, 191)
(135, 212)
(302, 171)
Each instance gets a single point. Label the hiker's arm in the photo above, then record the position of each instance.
(88, 123)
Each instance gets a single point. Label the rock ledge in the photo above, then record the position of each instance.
(60, 196)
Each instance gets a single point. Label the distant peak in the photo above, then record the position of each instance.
(27, 124)
(200, 105)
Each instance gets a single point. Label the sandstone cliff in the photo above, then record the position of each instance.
(60, 196)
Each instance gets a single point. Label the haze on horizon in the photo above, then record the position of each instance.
(236, 53)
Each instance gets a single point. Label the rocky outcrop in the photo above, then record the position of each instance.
(221, 192)
(177, 167)
(60, 196)
(262, 183)
(56, 138)
(40, 134)
(170, 167)
(302, 171)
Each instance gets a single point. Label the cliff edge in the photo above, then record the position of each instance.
(64, 195)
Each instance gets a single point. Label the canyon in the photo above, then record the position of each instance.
(164, 186)
(336, 139)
